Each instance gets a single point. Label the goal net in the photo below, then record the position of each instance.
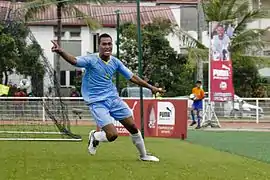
(36, 118)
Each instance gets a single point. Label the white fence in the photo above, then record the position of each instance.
(244, 109)
(32, 108)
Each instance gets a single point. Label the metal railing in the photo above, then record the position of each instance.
(37, 108)
(244, 109)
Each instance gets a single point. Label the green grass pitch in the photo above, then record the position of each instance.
(200, 157)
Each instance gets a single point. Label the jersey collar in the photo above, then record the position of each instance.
(105, 62)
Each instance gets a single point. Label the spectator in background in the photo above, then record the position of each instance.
(13, 89)
(74, 93)
(230, 30)
(19, 103)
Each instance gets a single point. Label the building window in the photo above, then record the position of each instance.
(266, 52)
(72, 75)
(67, 78)
(63, 78)
(62, 34)
(73, 31)
(75, 34)
(189, 18)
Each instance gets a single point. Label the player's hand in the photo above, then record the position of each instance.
(156, 90)
(56, 48)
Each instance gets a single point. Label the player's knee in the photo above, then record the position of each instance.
(133, 129)
(112, 136)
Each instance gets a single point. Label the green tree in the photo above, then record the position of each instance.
(62, 6)
(19, 55)
(246, 43)
(8, 53)
(161, 63)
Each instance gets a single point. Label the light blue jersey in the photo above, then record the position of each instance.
(98, 90)
(97, 82)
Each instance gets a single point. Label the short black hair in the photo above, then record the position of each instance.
(105, 35)
(220, 25)
(198, 82)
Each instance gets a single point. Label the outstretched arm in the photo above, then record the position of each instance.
(137, 80)
(68, 57)
(81, 61)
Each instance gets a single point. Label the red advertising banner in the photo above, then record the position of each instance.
(162, 118)
(221, 81)
(221, 71)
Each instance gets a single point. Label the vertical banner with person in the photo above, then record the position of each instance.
(221, 70)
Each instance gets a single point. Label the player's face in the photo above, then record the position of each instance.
(198, 85)
(220, 31)
(105, 46)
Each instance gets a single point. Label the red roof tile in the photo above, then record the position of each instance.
(4, 9)
(105, 14)
(177, 1)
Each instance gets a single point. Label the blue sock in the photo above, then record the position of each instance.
(199, 119)
(192, 116)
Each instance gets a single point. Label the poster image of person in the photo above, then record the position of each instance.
(220, 42)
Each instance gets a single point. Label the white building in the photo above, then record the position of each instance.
(78, 39)
(262, 23)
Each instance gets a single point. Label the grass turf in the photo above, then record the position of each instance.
(118, 160)
(250, 144)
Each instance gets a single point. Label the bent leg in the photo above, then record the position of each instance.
(136, 136)
(122, 113)
(108, 133)
(137, 139)
(101, 115)
(199, 109)
(199, 117)
(193, 117)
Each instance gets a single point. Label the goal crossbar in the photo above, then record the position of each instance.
(29, 132)
(38, 139)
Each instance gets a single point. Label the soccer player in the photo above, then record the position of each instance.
(101, 96)
(197, 104)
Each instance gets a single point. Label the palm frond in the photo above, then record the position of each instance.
(74, 11)
(249, 17)
(187, 40)
(220, 10)
(229, 10)
(89, 1)
(194, 54)
(260, 60)
(36, 6)
(248, 39)
(240, 9)
(266, 12)
(211, 9)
